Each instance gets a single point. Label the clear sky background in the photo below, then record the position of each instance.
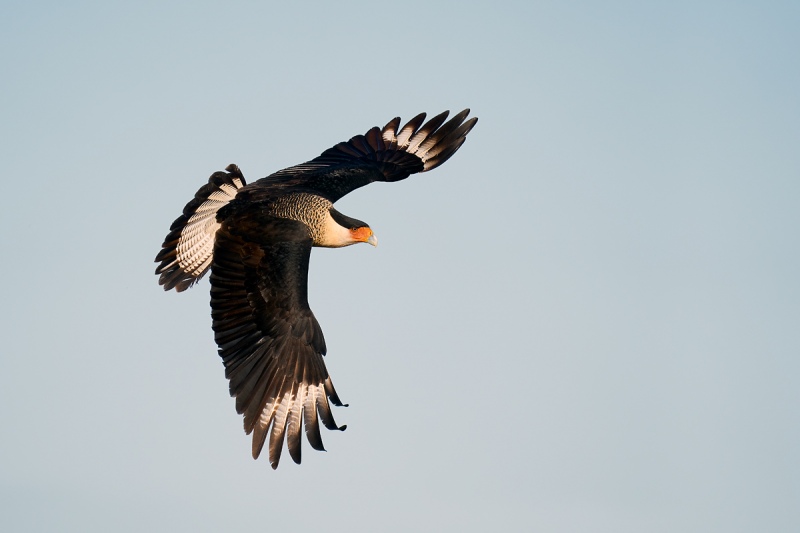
(587, 320)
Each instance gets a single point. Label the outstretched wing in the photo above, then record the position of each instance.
(268, 338)
(388, 154)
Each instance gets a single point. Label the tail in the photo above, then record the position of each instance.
(189, 246)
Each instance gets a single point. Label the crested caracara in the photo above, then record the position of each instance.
(256, 239)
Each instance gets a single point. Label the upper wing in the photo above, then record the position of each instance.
(268, 338)
(388, 154)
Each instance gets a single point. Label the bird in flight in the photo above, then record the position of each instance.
(256, 240)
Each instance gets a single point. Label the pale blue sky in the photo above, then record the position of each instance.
(587, 320)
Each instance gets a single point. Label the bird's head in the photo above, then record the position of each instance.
(342, 230)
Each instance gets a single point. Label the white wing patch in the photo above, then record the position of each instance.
(189, 246)
(196, 244)
(432, 142)
(284, 416)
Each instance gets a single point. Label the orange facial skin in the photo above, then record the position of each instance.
(363, 235)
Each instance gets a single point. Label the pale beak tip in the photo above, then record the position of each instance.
(373, 240)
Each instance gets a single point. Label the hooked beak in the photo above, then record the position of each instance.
(373, 240)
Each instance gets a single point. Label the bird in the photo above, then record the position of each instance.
(256, 241)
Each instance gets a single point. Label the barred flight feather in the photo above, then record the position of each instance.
(187, 251)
